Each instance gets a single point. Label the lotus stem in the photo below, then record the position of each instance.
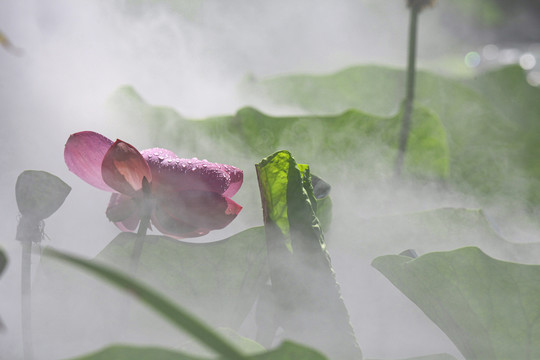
(26, 298)
(410, 87)
(29, 230)
(143, 227)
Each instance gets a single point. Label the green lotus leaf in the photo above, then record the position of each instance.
(224, 275)
(307, 299)
(489, 308)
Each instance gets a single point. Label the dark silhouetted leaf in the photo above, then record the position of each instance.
(3, 261)
(39, 194)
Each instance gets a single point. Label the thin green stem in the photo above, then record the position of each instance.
(410, 87)
(146, 210)
(139, 243)
(26, 299)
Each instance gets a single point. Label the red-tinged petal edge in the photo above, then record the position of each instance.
(194, 213)
(124, 168)
(123, 212)
(83, 153)
(172, 174)
(237, 178)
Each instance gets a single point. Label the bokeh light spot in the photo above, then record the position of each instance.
(472, 59)
(527, 61)
(533, 78)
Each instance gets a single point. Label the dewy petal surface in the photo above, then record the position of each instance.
(172, 174)
(84, 153)
(124, 168)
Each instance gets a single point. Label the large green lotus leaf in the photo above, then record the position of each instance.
(486, 145)
(509, 93)
(218, 281)
(353, 137)
(489, 308)
(437, 230)
(307, 299)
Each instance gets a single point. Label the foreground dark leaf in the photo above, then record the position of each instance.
(179, 317)
(487, 307)
(3, 260)
(286, 351)
(308, 303)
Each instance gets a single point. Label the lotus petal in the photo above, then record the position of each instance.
(84, 153)
(124, 168)
(194, 213)
(123, 212)
(172, 174)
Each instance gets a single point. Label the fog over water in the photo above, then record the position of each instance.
(76, 54)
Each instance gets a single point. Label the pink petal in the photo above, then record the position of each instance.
(123, 168)
(194, 213)
(168, 225)
(84, 153)
(172, 174)
(123, 212)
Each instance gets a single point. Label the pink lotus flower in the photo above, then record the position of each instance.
(188, 197)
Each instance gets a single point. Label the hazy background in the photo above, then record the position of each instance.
(191, 55)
